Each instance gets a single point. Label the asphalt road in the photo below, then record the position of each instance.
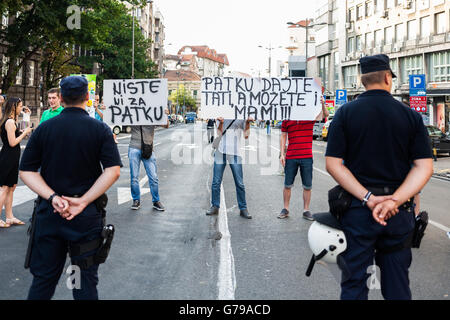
(183, 254)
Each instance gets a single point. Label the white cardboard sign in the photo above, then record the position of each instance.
(261, 98)
(135, 102)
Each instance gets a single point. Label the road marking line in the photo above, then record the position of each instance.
(440, 226)
(227, 276)
(124, 137)
(321, 171)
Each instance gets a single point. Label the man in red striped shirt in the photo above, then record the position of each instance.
(298, 156)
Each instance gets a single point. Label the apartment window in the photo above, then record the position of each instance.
(378, 38)
(388, 35)
(350, 45)
(439, 66)
(393, 65)
(19, 73)
(425, 29)
(411, 65)
(377, 5)
(5, 64)
(359, 12)
(351, 14)
(399, 34)
(412, 30)
(369, 8)
(369, 40)
(31, 74)
(336, 70)
(323, 69)
(350, 76)
(195, 93)
(358, 43)
(439, 20)
(5, 20)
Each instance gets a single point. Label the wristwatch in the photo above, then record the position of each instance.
(50, 200)
(366, 198)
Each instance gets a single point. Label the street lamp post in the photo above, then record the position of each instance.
(307, 25)
(270, 48)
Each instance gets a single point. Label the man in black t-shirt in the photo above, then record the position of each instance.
(70, 161)
(387, 157)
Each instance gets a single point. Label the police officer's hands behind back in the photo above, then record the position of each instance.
(76, 206)
(385, 210)
(60, 205)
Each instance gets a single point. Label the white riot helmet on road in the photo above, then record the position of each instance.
(326, 240)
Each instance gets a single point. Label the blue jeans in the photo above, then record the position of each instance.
(150, 167)
(220, 162)
(306, 172)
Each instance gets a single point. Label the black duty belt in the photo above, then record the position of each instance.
(386, 191)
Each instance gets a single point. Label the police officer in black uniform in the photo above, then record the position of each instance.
(387, 160)
(70, 161)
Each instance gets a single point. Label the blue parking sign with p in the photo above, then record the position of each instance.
(417, 81)
(341, 95)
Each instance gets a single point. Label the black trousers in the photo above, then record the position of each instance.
(50, 248)
(363, 234)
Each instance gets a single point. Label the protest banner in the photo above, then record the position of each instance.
(135, 102)
(261, 98)
(91, 78)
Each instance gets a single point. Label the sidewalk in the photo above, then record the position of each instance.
(442, 167)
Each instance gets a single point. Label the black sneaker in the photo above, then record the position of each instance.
(283, 214)
(308, 215)
(212, 211)
(136, 205)
(244, 214)
(158, 206)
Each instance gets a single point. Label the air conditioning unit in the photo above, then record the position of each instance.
(385, 14)
(348, 25)
(395, 49)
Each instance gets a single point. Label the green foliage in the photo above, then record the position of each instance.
(181, 96)
(114, 52)
(41, 26)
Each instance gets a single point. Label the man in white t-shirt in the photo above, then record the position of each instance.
(229, 150)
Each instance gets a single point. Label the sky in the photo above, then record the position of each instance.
(234, 27)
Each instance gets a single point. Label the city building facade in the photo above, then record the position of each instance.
(210, 63)
(415, 34)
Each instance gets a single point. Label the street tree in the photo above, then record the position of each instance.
(182, 96)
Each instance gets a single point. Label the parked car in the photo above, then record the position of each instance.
(317, 130)
(325, 128)
(439, 140)
(190, 117)
(116, 129)
(278, 125)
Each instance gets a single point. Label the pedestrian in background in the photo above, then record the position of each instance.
(298, 157)
(70, 162)
(141, 135)
(98, 108)
(10, 156)
(229, 150)
(54, 102)
(268, 127)
(210, 129)
(379, 138)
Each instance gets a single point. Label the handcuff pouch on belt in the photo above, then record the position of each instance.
(339, 201)
(103, 244)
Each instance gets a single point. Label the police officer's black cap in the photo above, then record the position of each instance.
(374, 63)
(327, 219)
(73, 86)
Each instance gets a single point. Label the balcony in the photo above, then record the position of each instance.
(324, 48)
